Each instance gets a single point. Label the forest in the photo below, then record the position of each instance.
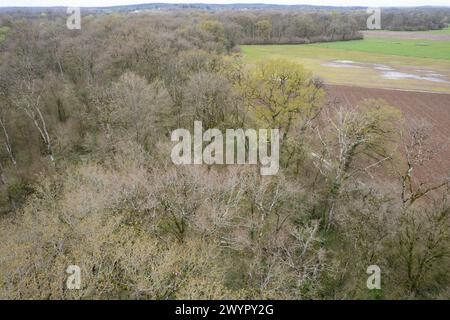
(86, 177)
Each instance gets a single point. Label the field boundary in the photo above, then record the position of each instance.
(386, 88)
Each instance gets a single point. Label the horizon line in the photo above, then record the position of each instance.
(230, 4)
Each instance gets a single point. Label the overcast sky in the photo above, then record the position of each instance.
(97, 3)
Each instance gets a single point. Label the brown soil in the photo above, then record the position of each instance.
(433, 108)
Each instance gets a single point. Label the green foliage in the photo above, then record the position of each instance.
(264, 29)
(216, 29)
(17, 192)
(282, 94)
(3, 32)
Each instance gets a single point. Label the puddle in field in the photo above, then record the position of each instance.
(394, 75)
(343, 64)
(389, 72)
(382, 67)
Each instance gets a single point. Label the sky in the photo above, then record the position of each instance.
(98, 3)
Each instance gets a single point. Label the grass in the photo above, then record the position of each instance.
(315, 57)
(442, 31)
(398, 47)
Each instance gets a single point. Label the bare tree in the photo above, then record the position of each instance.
(417, 151)
(29, 102)
(356, 142)
(7, 141)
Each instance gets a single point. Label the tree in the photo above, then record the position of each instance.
(134, 108)
(29, 102)
(358, 140)
(216, 29)
(264, 29)
(208, 98)
(418, 150)
(283, 95)
(7, 142)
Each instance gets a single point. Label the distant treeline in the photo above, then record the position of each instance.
(266, 27)
(269, 25)
(415, 19)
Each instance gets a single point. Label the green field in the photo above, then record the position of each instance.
(398, 47)
(405, 56)
(443, 31)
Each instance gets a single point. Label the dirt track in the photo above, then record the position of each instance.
(434, 108)
(406, 35)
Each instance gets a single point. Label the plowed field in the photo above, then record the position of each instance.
(434, 108)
